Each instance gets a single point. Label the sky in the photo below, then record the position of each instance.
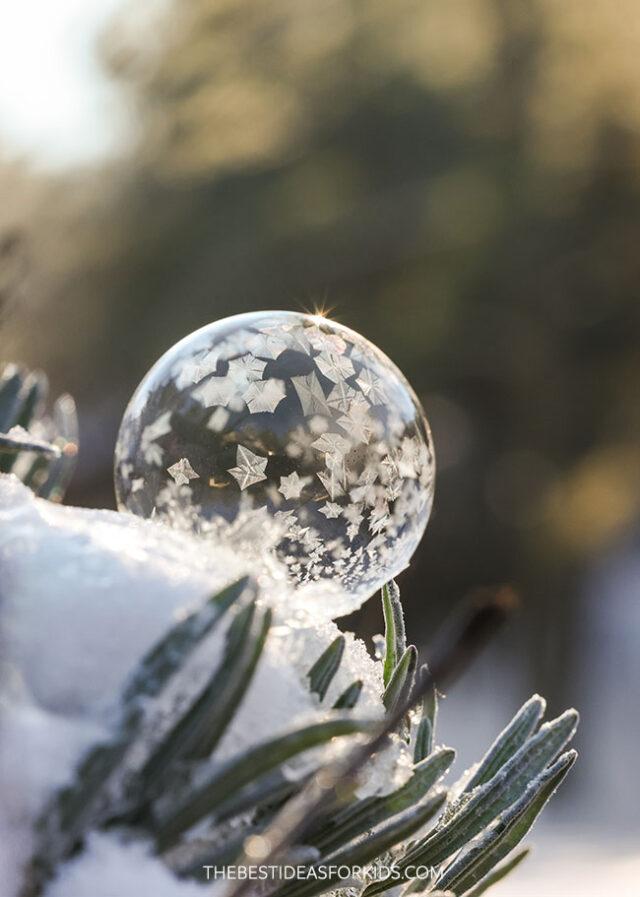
(57, 106)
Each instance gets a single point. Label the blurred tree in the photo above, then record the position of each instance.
(457, 180)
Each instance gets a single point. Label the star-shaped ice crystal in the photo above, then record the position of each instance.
(372, 387)
(325, 342)
(264, 395)
(250, 467)
(268, 343)
(219, 391)
(292, 486)
(335, 367)
(245, 369)
(332, 443)
(330, 509)
(342, 396)
(310, 393)
(182, 472)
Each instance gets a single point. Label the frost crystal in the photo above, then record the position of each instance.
(182, 472)
(292, 486)
(295, 415)
(250, 468)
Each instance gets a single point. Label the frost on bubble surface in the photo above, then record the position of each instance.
(293, 415)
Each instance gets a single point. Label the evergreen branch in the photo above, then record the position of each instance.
(198, 730)
(499, 872)
(168, 655)
(498, 794)
(349, 697)
(509, 740)
(299, 814)
(325, 667)
(26, 431)
(394, 634)
(370, 812)
(236, 774)
(402, 680)
(468, 818)
(477, 860)
(363, 850)
(425, 735)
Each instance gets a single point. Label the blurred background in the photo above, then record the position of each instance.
(459, 181)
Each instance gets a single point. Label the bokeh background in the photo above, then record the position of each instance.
(459, 181)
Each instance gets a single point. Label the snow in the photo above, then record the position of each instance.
(111, 868)
(83, 594)
(38, 752)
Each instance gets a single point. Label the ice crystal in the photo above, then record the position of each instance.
(294, 414)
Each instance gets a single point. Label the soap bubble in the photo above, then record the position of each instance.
(291, 429)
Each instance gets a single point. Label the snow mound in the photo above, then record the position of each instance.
(110, 868)
(83, 595)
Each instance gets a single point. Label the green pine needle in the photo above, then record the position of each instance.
(394, 636)
(475, 841)
(325, 667)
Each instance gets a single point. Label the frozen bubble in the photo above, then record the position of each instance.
(297, 418)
